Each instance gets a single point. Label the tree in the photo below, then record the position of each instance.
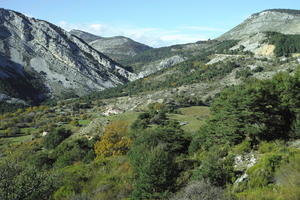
(55, 137)
(18, 183)
(152, 157)
(114, 140)
(156, 172)
(257, 111)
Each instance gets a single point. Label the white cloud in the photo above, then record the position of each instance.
(151, 36)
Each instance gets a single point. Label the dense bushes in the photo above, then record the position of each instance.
(55, 137)
(258, 110)
(200, 190)
(285, 45)
(153, 157)
(216, 166)
(17, 182)
(114, 140)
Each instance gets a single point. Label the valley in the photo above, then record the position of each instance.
(85, 117)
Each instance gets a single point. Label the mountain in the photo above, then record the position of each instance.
(118, 48)
(252, 33)
(140, 58)
(274, 20)
(39, 59)
(87, 37)
(257, 48)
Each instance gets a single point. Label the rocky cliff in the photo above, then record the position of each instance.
(48, 61)
(273, 20)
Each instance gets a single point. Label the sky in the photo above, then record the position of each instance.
(156, 23)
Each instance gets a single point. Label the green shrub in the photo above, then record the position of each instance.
(152, 157)
(244, 147)
(200, 190)
(73, 151)
(216, 166)
(268, 147)
(17, 182)
(285, 45)
(262, 174)
(55, 137)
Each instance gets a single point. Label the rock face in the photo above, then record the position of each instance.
(159, 65)
(275, 20)
(87, 37)
(50, 61)
(118, 47)
(252, 32)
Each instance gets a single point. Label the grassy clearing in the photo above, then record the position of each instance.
(7, 141)
(194, 117)
(17, 139)
(129, 117)
(84, 122)
(27, 131)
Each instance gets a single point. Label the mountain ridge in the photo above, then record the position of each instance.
(63, 62)
(116, 47)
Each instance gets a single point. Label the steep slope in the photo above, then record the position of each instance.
(207, 67)
(118, 48)
(252, 33)
(87, 37)
(50, 61)
(274, 20)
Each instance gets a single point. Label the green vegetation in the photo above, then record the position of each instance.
(192, 118)
(285, 45)
(176, 149)
(188, 72)
(56, 137)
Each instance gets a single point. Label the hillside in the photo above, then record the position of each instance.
(39, 60)
(274, 20)
(117, 48)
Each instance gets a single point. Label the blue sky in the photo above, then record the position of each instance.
(153, 22)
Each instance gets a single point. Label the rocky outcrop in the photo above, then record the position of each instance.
(252, 32)
(159, 65)
(60, 61)
(276, 20)
(87, 37)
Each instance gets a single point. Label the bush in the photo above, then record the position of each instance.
(200, 190)
(156, 172)
(114, 140)
(55, 137)
(70, 152)
(260, 110)
(216, 166)
(41, 160)
(17, 182)
(152, 157)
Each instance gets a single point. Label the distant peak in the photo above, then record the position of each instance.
(278, 10)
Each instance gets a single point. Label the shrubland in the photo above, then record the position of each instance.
(246, 148)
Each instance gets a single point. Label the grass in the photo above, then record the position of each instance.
(27, 131)
(17, 139)
(84, 122)
(6, 141)
(129, 117)
(194, 117)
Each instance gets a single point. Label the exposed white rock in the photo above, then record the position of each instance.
(61, 59)
(11, 100)
(271, 20)
(159, 65)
